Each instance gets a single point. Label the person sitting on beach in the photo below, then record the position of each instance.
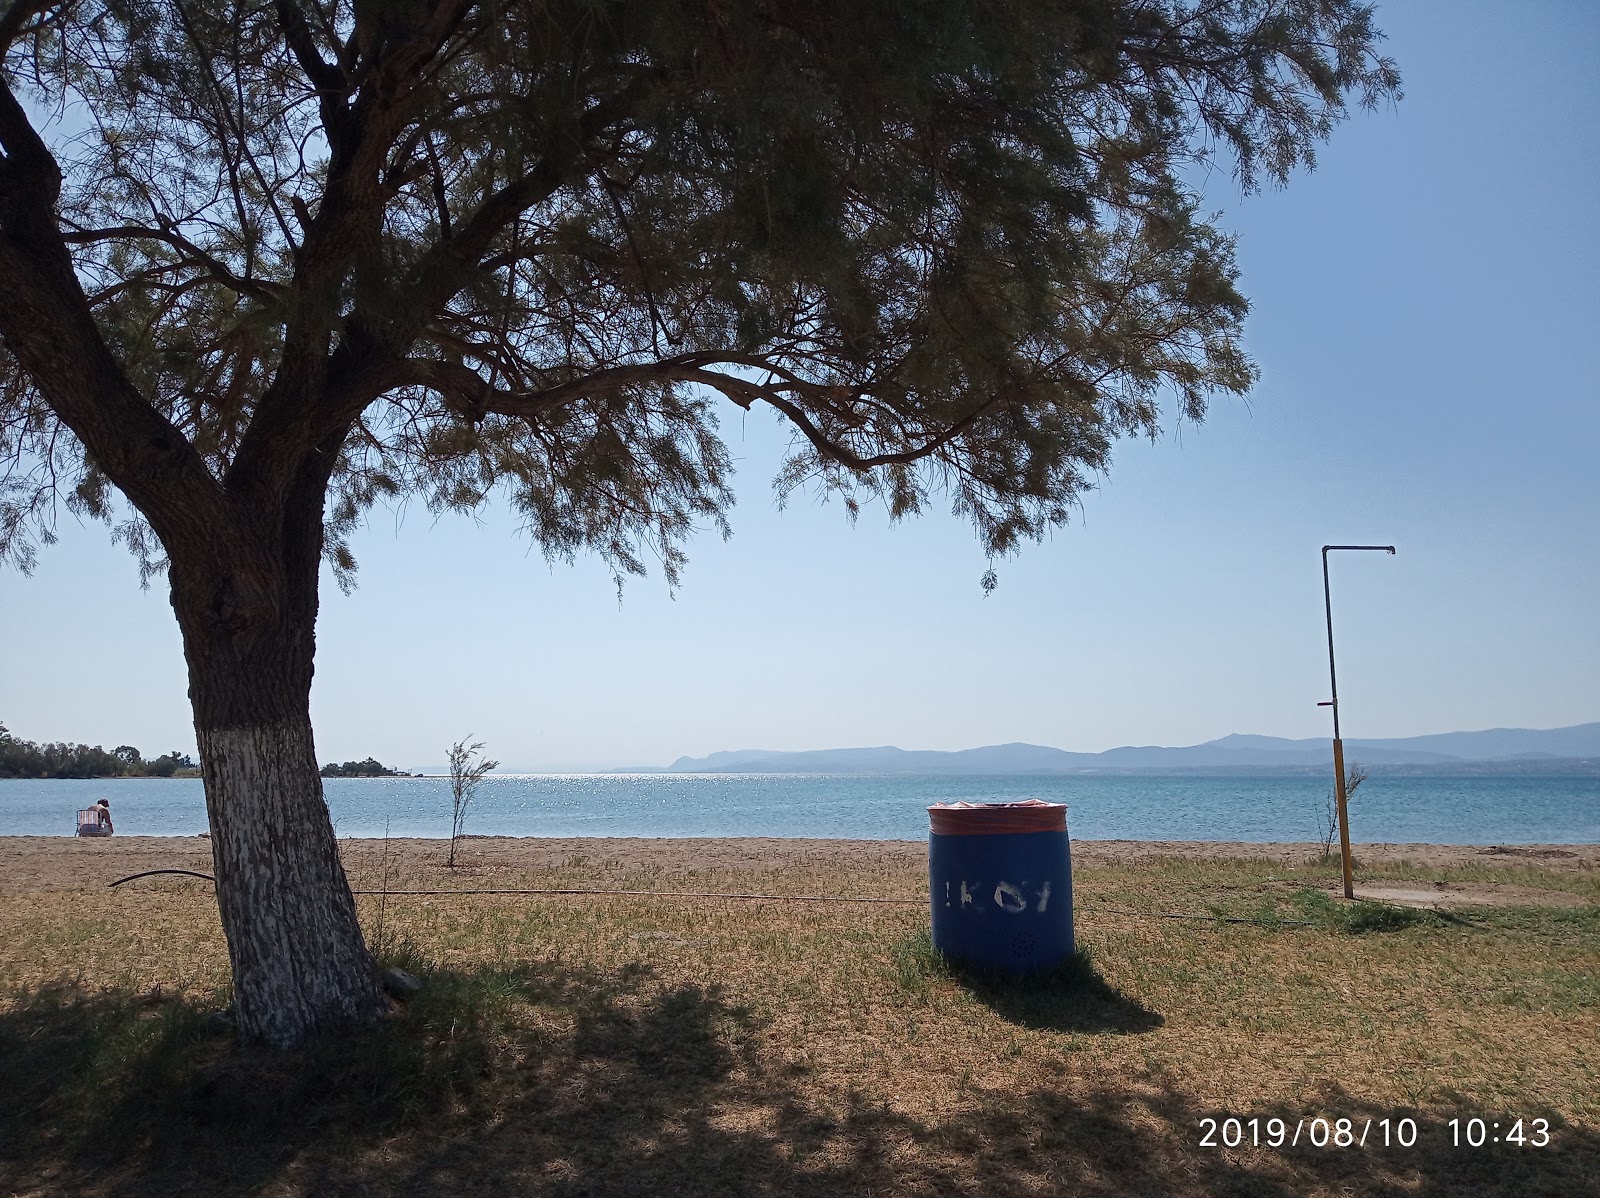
(103, 810)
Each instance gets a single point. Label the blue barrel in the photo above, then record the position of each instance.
(1000, 881)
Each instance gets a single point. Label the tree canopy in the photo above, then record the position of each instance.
(518, 247)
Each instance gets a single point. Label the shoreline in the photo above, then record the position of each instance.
(1161, 847)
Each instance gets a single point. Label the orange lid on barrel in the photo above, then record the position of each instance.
(994, 819)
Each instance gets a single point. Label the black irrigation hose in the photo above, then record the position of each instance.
(147, 873)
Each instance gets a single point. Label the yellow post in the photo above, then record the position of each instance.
(1344, 817)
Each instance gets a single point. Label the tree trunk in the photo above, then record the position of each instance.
(247, 603)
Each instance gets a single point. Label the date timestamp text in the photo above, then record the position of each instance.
(1334, 1132)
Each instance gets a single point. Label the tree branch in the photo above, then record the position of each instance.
(177, 241)
(30, 177)
(299, 411)
(329, 79)
(47, 326)
(473, 397)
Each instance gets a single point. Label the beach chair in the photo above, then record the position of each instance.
(89, 823)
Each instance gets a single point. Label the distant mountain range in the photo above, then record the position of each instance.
(1495, 750)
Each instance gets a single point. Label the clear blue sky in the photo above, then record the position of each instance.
(1425, 307)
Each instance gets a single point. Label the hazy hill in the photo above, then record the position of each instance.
(1447, 749)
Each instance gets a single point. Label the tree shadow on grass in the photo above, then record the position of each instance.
(564, 1083)
(1100, 1141)
(141, 1095)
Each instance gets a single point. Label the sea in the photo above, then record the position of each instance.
(1386, 809)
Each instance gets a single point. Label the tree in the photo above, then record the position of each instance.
(308, 255)
(164, 766)
(468, 765)
(1353, 778)
(169, 764)
(370, 768)
(18, 758)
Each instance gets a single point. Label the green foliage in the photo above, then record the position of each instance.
(523, 250)
(1361, 918)
(1355, 775)
(370, 768)
(169, 764)
(59, 759)
(468, 766)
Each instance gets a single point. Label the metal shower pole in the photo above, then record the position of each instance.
(1338, 744)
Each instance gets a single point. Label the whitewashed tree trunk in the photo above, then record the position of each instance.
(300, 965)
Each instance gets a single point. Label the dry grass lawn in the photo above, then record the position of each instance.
(577, 1045)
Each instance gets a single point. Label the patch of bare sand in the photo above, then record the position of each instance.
(1445, 896)
(32, 863)
(1563, 858)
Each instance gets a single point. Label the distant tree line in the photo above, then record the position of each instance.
(59, 759)
(370, 768)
